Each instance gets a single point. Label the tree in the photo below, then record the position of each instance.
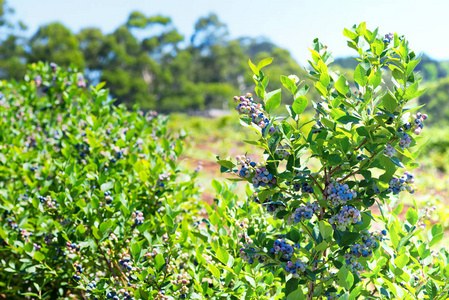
(55, 42)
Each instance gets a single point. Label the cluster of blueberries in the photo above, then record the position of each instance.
(11, 222)
(83, 149)
(138, 218)
(282, 152)
(73, 247)
(389, 151)
(79, 270)
(125, 296)
(38, 80)
(286, 250)
(295, 268)
(91, 285)
(405, 140)
(49, 202)
(304, 187)
(347, 216)
(370, 241)
(333, 295)
(108, 197)
(304, 212)
(261, 177)
(397, 185)
(250, 257)
(272, 207)
(339, 194)
(162, 179)
(126, 263)
(34, 168)
(388, 38)
(253, 110)
(81, 82)
(118, 155)
(182, 281)
(418, 122)
(53, 66)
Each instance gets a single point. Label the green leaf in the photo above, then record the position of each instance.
(105, 225)
(39, 256)
(226, 163)
(159, 262)
(401, 261)
(289, 84)
(411, 216)
(325, 79)
(253, 67)
(321, 89)
(300, 104)
(3, 234)
(377, 47)
(294, 235)
(264, 62)
(435, 234)
(321, 246)
(106, 186)
(291, 285)
(222, 255)
(348, 119)
(345, 296)
(325, 229)
(411, 66)
(360, 75)
(213, 269)
(348, 238)
(375, 78)
(273, 141)
(348, 33)
(273, 100)
(97, 233)
(345, 278)
(394, 236)
(389, 102)
(341, 85)
(431, 288)
(135, 250)
(168, 221)
(80, 229)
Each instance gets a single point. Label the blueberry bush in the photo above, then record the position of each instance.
(93, 202)
(321, 219)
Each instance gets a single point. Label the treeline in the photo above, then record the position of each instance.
(146, 60)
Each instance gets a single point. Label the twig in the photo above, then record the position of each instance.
(316, 182)
(357, 171)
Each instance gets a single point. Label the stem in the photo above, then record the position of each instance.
(316, 182)
(311, 289)
(357, 171)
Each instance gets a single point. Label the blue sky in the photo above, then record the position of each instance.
(290, 24)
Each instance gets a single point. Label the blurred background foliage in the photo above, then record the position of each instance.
(146, 61)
